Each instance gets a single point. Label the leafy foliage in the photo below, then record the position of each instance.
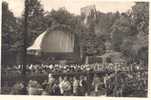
(128, 31)
(62, 19)
(132, 33)
(11, 34)
(140, 19)
(36, 20)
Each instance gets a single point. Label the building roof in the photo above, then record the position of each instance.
(37, 43)
(53, 41)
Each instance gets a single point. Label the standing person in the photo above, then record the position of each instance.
(75, 86)
(60, 85)
(106, 79)
(83, 86)
(65, 86)
(45, 86)
(56, 88)
(51, 81)
(87, 86)
(50, 78)
(96, 83)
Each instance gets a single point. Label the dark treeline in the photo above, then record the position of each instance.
(128, 32)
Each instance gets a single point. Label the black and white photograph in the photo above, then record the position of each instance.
(75, 48)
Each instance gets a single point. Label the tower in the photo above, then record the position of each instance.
(88, 14)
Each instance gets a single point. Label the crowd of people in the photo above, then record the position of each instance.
(117, 79)
(62, 68)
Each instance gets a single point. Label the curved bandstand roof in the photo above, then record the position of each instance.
(54, 41)
(37, 43)
(55, 45)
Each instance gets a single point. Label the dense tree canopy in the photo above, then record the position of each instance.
(132, 35)
(128, 32)
(11, 34)
(36, 20)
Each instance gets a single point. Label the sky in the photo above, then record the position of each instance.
(73, 6)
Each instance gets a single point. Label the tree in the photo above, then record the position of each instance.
(103, 28)
(121, 29)
(126, 49)
(62, 19)
(140, 19)
(8, 22)
(105, 22)
(10, 35)
(130, 32)
(36, 21)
